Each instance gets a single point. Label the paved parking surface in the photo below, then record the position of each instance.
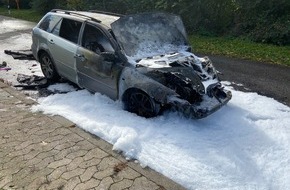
(43, 152)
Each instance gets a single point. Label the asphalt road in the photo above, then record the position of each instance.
(16, 31)
(265, 79)
(270, 80)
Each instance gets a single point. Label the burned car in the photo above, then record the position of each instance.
(144, 60)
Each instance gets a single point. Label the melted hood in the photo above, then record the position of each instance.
(150, 34)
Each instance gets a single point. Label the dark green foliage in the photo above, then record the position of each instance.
(78, 4)
(25, 4)
(258, 20)
(207, 16)
(272, 31)
(44, 6)
(264, 21)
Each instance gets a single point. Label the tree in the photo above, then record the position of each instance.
(263, 21)
(44, 6)
(78, 4)
(17, 4)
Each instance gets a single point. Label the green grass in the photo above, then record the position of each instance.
(230, 47)
(239, 48)
(25, 14)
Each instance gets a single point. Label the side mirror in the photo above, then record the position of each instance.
(109, 56)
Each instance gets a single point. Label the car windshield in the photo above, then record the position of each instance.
(149, 34)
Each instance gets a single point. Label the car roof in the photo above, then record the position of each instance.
(104, 18)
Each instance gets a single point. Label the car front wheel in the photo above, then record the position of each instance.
(140, 103)
(48, 68)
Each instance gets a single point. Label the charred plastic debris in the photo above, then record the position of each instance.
(27, 82)
(31, 82)
(21, 54)
(4, 66)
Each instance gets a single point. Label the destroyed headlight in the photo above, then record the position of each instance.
(208, 67)
(216, 90)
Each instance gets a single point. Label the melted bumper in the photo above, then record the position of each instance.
(208, 106)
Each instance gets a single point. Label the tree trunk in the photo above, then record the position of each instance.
(17, 4)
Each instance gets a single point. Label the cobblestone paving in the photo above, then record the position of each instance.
(44, 152)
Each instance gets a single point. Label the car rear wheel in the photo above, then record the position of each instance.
(48, 68)
(140, 103)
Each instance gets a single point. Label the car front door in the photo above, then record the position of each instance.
(93, 71)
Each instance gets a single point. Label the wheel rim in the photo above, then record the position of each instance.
(141, 104)
(47, 67)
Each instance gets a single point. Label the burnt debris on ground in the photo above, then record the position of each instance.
(30, 82)
(20, 54)
(40, 84)
(3, 66)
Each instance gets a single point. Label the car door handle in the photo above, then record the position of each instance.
(51, 41)
(80, 57)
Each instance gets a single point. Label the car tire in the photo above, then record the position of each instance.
(140, 103)
(48, 68)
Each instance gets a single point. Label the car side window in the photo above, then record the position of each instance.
(95, 40)
(49, 22)
(56, 29)
(69, 29)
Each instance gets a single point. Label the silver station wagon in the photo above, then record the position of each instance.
(144, 60)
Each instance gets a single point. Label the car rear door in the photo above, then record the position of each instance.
(93, 71)
(63, 44)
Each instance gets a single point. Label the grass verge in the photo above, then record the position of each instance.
(24, 14)
(238, 48)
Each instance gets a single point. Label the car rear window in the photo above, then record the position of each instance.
(49, 22)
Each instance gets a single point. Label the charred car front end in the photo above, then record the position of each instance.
(156, 44)
(194, 92)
